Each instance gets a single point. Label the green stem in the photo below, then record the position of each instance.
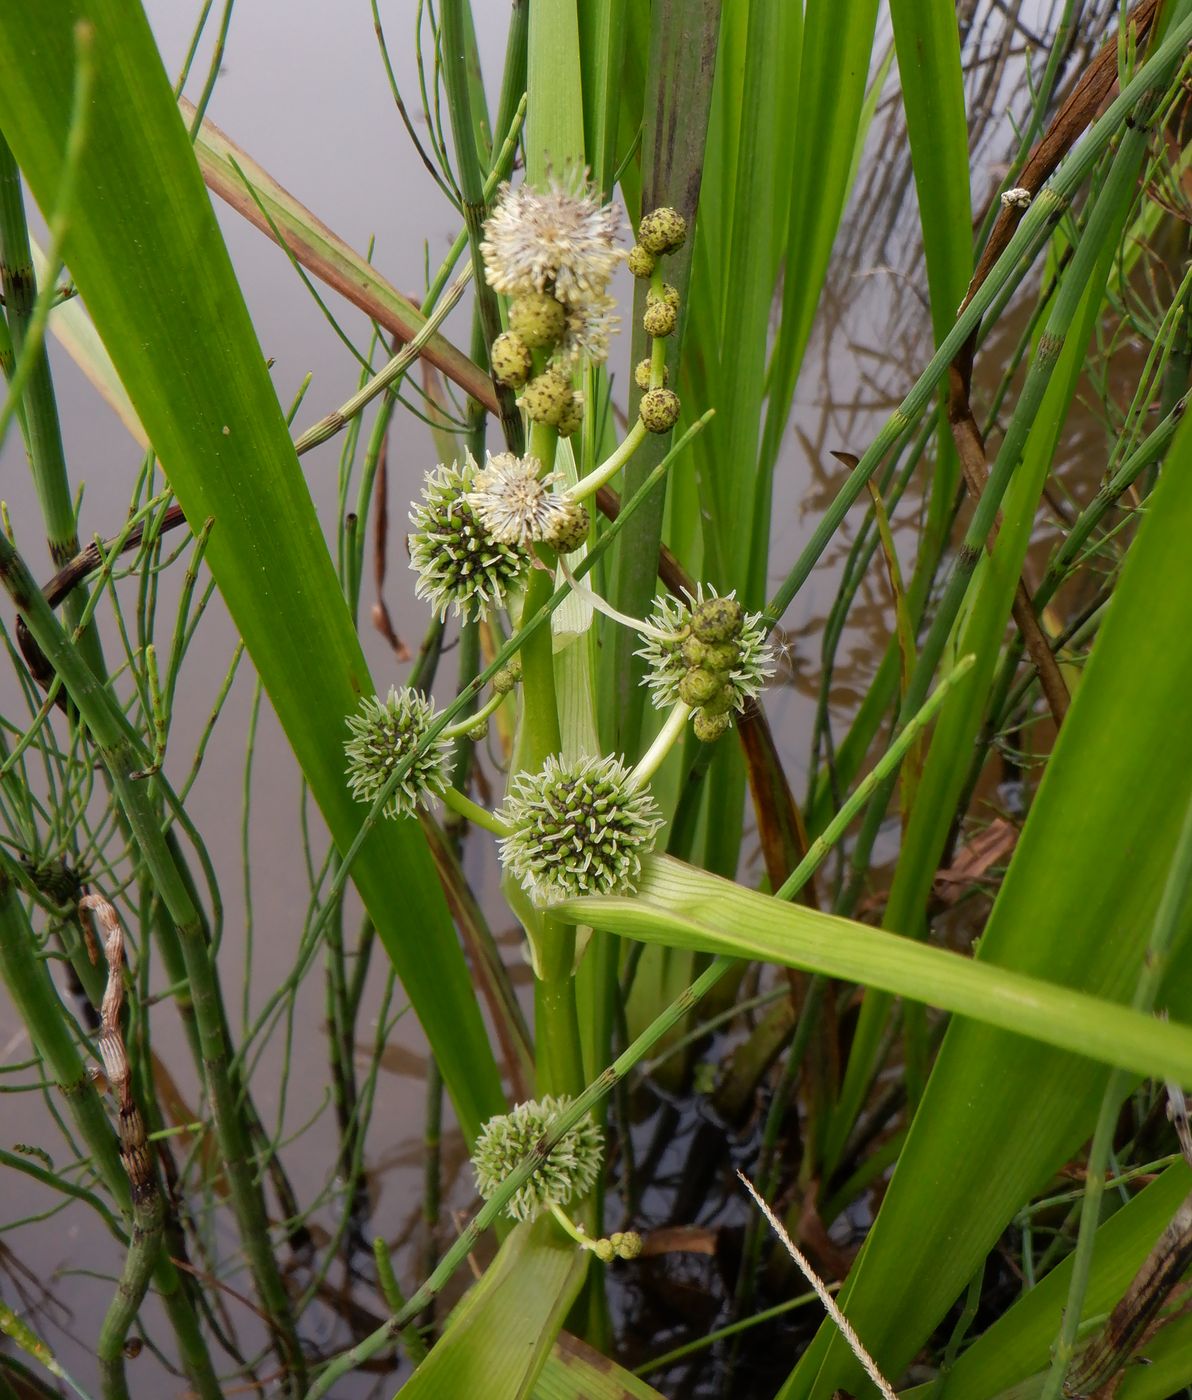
(121, 754)
(477, 815)
(27, 981)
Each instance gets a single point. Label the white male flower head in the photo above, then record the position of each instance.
(458, 562)
(577, 828)
(513, 502)
(561, 240)
(587, 329)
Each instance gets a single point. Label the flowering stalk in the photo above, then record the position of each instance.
(652, 759)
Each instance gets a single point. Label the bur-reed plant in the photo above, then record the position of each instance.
(590, 552)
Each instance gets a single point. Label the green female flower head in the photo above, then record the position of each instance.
(459, 564)
(569, 1171)
(561, 241)
(577, 828)
(386, 732)
(707, 651)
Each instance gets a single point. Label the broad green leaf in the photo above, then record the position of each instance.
(498, 1339)
(574, 1371)
(146, 252)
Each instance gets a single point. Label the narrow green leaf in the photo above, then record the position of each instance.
(679, 906)
(1075, 908)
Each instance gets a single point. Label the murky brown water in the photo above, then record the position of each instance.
(303, 91)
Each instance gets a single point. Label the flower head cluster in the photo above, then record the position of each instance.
(705, 651)
(561, 240)
(577, 828)
(570, 1170)
(386, 732)
(459, 563)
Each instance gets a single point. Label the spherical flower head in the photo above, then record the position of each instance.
(659, 410)
(641, 262)
(570, 1171)
(577, 828)
(561, 240)
(662, 231)
(384, 734)
(458, 562)
(547, 397)
(1017, 198)
(570, 528)
(642, 372)
(742, 664)
(511, 360)
(659, 319)
(572, 417)
(513, 503)
(538, 318)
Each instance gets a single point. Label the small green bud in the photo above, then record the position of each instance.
(641, 374)
(709, 728)
(659, 319)
(662, 231)
(511, 360)
(626, 1244)
(722, 656)
(478, 731)
(699, 687)
(717, 619)
(538, 318)
(572, 417)
(659, 410)
(693, 651)
(720, 703)
(547, 397)
(667, 294)
(507, 677)
(570, 528)
(603, 1250)
(641, 262)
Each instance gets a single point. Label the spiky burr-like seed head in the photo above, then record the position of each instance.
(511, 360)
(569, 1171)
(659, 319)
(709, 728)
(547, 397)
(459, 564)
(659, 410)
(577, 828)
(384, 734)
(641, 262)
(662, 231)
(538, 318)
